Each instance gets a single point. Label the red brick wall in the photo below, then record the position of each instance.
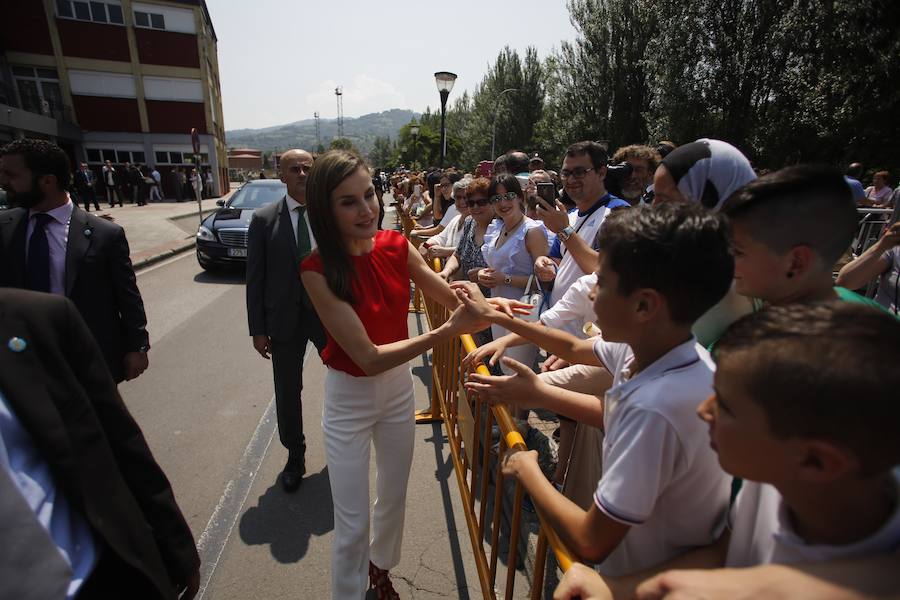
(168, 116)
(107, 114)
(93, 40)
(167, 48)
(23, 27)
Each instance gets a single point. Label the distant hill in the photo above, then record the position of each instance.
(362, 131)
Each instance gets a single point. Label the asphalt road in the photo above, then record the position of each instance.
(206, 407)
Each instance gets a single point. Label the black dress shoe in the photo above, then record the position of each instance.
(292, 475)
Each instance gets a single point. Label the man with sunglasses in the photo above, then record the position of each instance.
(281, 317)
(574, 253)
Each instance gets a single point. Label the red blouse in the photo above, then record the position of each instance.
(381, 289)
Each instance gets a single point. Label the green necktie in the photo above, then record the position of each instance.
(303, 244)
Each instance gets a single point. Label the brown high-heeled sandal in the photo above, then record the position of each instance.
(381, 583)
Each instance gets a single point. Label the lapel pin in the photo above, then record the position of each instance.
(17, 344)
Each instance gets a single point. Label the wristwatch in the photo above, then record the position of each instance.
(565, 233)
(507, 279)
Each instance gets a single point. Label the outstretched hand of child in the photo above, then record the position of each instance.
(584, 583)
(511, 389)
(515, 461)
(471, 297)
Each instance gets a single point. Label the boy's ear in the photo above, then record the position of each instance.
(801, 259)
(647, 303)
(823, 462)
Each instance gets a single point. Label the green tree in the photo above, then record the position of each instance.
(341, 144)
(380, 154)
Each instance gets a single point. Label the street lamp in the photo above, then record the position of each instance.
(444, 81)
(414, 132)
(496, 113)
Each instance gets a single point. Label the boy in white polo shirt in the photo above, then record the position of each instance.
(806, 411)
(662, 492)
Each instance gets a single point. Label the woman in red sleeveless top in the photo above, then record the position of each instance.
(358, 281)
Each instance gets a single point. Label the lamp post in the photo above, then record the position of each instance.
(414, 132)
(444, 81)
(496, 113)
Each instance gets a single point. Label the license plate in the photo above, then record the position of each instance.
(237, 252)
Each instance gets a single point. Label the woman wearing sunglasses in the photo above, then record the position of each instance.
(511, 245)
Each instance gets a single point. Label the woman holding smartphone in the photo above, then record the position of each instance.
(511, 245)
(358, 281)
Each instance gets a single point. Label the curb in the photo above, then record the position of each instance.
(184, 246)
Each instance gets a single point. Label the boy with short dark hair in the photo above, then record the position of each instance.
(789, 229)
(805, 410)
(662, 492)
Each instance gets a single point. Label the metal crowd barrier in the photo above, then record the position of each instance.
(872, 222)
(468, 422)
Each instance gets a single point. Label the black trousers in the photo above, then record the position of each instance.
(287, 368)
(88, 197)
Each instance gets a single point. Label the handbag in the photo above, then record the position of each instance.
(538, 300)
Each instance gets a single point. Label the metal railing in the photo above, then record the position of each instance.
(872, 222)
(468, 423)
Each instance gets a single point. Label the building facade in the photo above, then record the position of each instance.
(118, 80)
(244, 161)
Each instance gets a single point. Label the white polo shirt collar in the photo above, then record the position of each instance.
(680, 357)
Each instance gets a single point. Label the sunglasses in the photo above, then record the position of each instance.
(480, 202)
(577, 172)
(506, 196)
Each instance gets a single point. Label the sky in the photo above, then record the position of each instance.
(280, 60)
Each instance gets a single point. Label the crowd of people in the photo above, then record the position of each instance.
(684, 320)
(137, 184)
(722, 402)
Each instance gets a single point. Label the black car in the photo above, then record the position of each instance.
(222, 236)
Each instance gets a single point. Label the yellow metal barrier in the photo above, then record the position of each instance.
(468, 425)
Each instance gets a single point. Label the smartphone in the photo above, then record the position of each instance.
(547, 193)
(417, 190)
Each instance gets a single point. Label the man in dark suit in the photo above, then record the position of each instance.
(280, 314)
(85, 185)
(80, 492)
(50, 245)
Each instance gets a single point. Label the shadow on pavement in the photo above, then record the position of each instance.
(444, 475)
(286, 522)
(223, 275)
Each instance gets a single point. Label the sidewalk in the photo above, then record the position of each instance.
(159, 229)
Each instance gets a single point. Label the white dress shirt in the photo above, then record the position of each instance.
(57, 238)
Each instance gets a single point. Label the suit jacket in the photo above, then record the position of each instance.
(62, 393)
(99, 279)
(275, 294)
(84, 180)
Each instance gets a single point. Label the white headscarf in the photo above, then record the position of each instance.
(708, 171)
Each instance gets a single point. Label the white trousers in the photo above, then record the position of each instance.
(358, 412)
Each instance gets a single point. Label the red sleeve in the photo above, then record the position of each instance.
(313, 262)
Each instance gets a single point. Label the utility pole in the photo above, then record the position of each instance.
(339, 92)
(318, 136)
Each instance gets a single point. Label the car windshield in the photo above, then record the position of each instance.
(254, 196)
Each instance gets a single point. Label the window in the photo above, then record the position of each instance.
(99, 83)
(152, 20)
(39, 90)
(93, 155)
(164, 17)
(162, 157)
(137, 157)
(106, 11)
(175, 158)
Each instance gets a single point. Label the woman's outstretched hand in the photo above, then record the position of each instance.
(472, 298)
